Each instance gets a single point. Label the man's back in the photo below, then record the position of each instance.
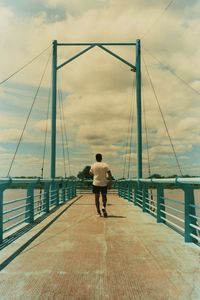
(100, 170)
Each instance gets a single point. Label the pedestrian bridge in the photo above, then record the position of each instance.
(73, 254)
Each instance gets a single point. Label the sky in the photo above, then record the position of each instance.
(96, 90)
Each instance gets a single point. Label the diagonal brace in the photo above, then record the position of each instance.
(75, 56)
(133, 68)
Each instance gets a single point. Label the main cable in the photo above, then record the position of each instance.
(173, 73)
(27, 119)
(24, 66)
(162, 115)
(45, 137)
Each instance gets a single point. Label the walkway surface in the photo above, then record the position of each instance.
(73, 254)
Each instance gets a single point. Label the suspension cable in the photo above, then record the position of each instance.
(173, 73)
(147, 140)
(62, 134)
(27, 119)
(156, 20)
(127, 141)
(163, 119)
(45, 136)
(65, 132)
(131, 132)
(129, 138)
(24, 66)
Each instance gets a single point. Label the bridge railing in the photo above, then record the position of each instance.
(174, 202)
(37, 197)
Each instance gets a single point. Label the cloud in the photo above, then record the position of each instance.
(98, 89)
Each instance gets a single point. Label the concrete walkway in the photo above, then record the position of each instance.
(73, 254)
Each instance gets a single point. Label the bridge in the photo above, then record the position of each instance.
(54, 247)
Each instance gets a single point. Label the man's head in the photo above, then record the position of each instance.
(99, 157)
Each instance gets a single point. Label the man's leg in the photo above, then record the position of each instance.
(97, 196)
(104, 200)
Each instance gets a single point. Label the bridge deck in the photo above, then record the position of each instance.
(77, 255)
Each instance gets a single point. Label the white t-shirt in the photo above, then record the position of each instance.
(99, 170)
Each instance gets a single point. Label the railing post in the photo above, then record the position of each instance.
(74, 188)
(135, 193)
(30, 202)
(46, 193)
(189, 211)
(57, 193)
(3, 187)
(120, 189)
(160, 201)
(1, 216)
(129, 191)
(144, 196)
(63, 190)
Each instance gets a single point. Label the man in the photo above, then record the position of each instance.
(101, 178)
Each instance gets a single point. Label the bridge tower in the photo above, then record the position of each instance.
(136, 68)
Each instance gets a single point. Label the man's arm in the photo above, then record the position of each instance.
(109, 180)
(109, 175)
(91, 172)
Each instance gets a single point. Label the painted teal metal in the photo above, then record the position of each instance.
(139, 110)
(55, 68)
(75, 56)
(118, 57)
(96, 44)
(190, 214)
(52, 193)
(180, 215)
(53, 118)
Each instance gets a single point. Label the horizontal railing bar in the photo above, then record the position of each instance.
(195, 206)
(15, 225)
(173, 224)
(152, 212)
(172, 208)
(194, 226)
(15, 217)
(170, 215)
(16, 200)
(138, 199)
(192, 180)
(195, 217)
(173, 200)
(16, 208)
(139, 204)
(39, 195)
(38, 201)
(195, 237)
(150, 205)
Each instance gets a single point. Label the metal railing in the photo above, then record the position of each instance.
(174, 202)
(39, 197)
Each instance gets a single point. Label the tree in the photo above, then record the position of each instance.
(85, 173)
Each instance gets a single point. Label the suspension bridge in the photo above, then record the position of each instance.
(54, 247)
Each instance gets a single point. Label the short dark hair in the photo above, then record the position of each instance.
(98, 157)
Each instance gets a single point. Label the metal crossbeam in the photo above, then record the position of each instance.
(118, 57)
(75, 56)
(96, 44)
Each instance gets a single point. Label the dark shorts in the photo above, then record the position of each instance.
(99, 189)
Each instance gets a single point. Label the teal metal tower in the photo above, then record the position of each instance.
(136, 68)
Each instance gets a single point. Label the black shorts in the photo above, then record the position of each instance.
(99, 189)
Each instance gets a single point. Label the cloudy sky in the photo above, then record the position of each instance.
(96, 91)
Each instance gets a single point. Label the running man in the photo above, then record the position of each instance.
(102, 177)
